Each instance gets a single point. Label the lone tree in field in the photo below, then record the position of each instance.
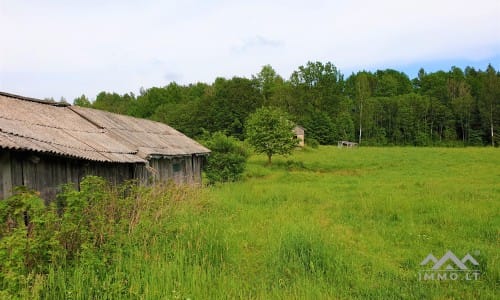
(270, 131)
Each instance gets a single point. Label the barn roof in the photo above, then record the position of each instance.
(85, 133)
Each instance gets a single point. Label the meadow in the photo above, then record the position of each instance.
(323, 223)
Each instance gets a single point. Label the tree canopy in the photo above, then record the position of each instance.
(450, 108)
(270, 132)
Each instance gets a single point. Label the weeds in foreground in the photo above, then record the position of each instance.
(323, 224)
(81, 228)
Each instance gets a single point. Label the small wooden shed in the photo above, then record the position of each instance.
(299, 134)
(347, 144)
(46, 144)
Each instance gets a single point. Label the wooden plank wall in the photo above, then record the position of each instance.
(159, 169)
(189, 169)
(5, 174)
(42, 173)
(180, 174)
(46, 173)
(112, 172)
(142, 174)
(197, 164)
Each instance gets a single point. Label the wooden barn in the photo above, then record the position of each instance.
(45, 144)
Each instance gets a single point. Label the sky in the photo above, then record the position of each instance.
(60, 48)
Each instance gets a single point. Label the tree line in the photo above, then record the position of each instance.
(386, 107)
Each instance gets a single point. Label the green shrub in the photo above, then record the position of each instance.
(67, 249)
(79, 225)
(228, 158)
(27, 242)
(313, 143)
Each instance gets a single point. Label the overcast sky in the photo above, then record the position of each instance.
(54, 48)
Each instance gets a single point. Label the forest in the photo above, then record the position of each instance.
(381, 108)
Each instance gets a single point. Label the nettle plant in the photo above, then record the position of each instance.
(27, 240)
(35, 236)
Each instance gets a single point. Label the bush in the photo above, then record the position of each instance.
(228, 158)
(35, 236)
(313, 143)
(82, 229)
(27, 243)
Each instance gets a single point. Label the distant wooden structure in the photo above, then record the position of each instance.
(346, 144)
(299, 134)
(45, 144)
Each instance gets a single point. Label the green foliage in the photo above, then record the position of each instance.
(227, 160)
(149, 101)
(311, 142)
(81, 226)
(233, 101)
(270, 131)
(320, 127)
(113, 102)
(391, 83)
(88, 216)
(489, 104)
(434, 85)
(345, 127)
(27, 241)
(82, 101)
(317, 87)
(268, 82)
(458, 107)
(161, 236)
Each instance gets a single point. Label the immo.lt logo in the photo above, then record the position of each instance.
(449, 267)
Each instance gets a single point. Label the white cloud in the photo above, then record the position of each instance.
(73, 47)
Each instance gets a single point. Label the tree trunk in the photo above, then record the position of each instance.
(360, 118)
(269, 155)
(432, 125)
(491, 125)
(463, 131)
(492, 136)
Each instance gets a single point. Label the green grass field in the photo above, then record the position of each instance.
(323, 223)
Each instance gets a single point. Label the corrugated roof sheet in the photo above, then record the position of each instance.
(145, 136)
(26, 124)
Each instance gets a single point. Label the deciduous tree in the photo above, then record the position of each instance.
(270, 131)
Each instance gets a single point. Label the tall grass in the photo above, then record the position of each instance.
(323, 223)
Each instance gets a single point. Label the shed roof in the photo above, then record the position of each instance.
(298, 130)
(85, 133)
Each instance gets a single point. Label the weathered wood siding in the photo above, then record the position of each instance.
(197, 165)
(5, 174)
(181, 170)
(47, 173)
